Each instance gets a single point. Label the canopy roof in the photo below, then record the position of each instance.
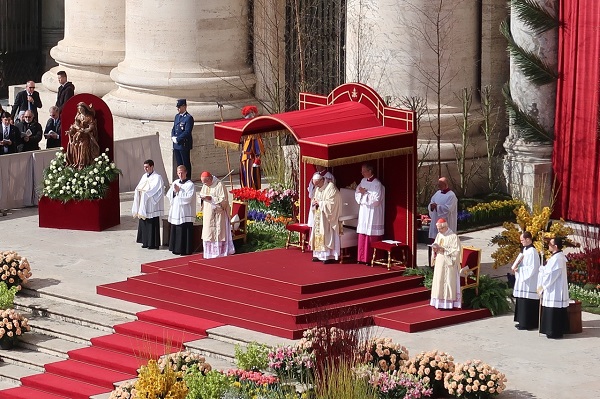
(345, 127)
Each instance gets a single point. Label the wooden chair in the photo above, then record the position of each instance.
(239, 228)
(303, 231)
(471, 257)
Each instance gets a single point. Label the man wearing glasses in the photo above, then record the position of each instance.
(31, 133)
(28, 99)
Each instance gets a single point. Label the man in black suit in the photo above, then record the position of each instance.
(8, 135)
(66, 90)
(52, 130)
(31, 133)
(28, 99)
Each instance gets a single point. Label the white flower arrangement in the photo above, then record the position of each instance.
(475, 379)
(65, 183)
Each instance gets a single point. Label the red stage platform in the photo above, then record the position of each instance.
(281, 292)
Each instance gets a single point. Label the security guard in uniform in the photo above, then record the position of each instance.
(181, 135)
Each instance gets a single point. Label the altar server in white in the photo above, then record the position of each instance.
(148, 206)
(526, 268)
(182, 197)
(370, 196)
(444, 205)
(554, 292)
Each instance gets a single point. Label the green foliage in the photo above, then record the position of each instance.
(527, 126)
(211, 385)
(492, 295)
(589, 297)
(532, 66)
(341, 383)
(253, 357)
(425, 272)
(7, 295)
(262, 236)
(537, 18)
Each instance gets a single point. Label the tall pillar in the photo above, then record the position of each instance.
(182, 49)
(93, 44)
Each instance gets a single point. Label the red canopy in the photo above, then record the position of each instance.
(332, 134)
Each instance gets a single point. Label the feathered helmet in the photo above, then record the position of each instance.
(249, 111)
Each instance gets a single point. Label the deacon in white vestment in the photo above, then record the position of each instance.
(148, 206)
(182, 213)
(216, 222)
(325, 234)
(554, 291)
(526, 268)
(447, 250)
(370, 196)
(328, 176)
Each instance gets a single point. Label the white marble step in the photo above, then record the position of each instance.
(48, 344)
(11, 374)
(28, 358)
(63, 329)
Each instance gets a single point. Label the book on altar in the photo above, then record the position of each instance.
(26, 133)
(392, 242)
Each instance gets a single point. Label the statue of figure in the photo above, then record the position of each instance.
(83, 138)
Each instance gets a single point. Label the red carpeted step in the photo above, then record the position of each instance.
(153, 267)
(88, 373)
(196, 325)
(136, 346)
(426, 317)
(157, 333)
(27, 393)
(122, 362)
(63, 386)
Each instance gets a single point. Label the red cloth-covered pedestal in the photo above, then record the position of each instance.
(89, 215)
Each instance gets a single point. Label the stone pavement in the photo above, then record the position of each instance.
(71, 264)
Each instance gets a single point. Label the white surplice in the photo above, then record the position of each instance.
(183, 204)
(553, 280)
(526, 275)
(371, 213)
(148, 198)
(447, 208)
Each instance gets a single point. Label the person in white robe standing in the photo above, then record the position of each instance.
(328, 176)
(148, 206)
(182, 197)
(526, 268)
(216, 218)
(370, 196)
(443, 205)
(553, 289)
(325, 234)
(447, 256)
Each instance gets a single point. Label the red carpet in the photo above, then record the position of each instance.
(112, 358)
(281, 292)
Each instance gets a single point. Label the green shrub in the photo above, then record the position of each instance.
(492, 295)
(425, 272)
(253, 357)
(211, 385)
(7, 295)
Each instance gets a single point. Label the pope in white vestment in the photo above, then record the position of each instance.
(148, 206)
(445, 289)
(325, 234)
(216, 222)
(526, 268)
(443, 205)
(182, 214)
(328, 176)
(554, 290)
(370, 196)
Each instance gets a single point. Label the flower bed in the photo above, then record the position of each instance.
(14, 269)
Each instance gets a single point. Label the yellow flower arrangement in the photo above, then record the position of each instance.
(536, 222)
(153, 383)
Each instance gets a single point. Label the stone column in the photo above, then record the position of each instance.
(53, 28)
(527, 166)
(183, 49)
(93, 44)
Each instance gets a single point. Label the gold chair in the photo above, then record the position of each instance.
(239, 228)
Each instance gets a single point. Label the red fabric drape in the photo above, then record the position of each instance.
(576, 159)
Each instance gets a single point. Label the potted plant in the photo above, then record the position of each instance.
(14, 269)
(12, 326)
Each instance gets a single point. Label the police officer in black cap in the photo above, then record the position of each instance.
(181, 135)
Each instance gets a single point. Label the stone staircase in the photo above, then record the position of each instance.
(59, 325)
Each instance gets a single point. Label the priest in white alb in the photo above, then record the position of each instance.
(553, 288)
(148, 206)
(447, 256)
(325, 233)
(370, 196)
(216, 214)
(328, 176)
(526, 268)
(182, 197)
